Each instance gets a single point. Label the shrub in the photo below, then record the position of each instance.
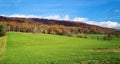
(80, 35)
(2, 31)
(107, 37)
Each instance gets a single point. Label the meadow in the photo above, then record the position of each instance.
(28, 48)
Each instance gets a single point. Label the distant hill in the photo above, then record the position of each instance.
(48, 21)
(45, 21)
(65, 23)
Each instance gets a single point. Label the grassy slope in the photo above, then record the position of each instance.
(24, 48)
(2, 46)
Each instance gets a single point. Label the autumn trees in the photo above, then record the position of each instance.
(37, 27)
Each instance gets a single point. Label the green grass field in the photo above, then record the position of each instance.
(26, 48)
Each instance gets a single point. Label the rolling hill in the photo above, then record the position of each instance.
(71, 26)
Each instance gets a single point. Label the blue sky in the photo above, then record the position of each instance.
(92, 10)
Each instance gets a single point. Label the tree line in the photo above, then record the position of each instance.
(36, 27)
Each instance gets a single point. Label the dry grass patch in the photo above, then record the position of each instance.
(107, 49)
(99, 62)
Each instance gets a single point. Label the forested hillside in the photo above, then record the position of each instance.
(47, 26)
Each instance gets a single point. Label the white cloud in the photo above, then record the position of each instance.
(66, 17)
(109, 24)
(24, 16)
(78, 19)
(52, 17)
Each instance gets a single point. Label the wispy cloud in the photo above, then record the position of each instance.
(57, 17)
(109, 24)
(23, 16)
